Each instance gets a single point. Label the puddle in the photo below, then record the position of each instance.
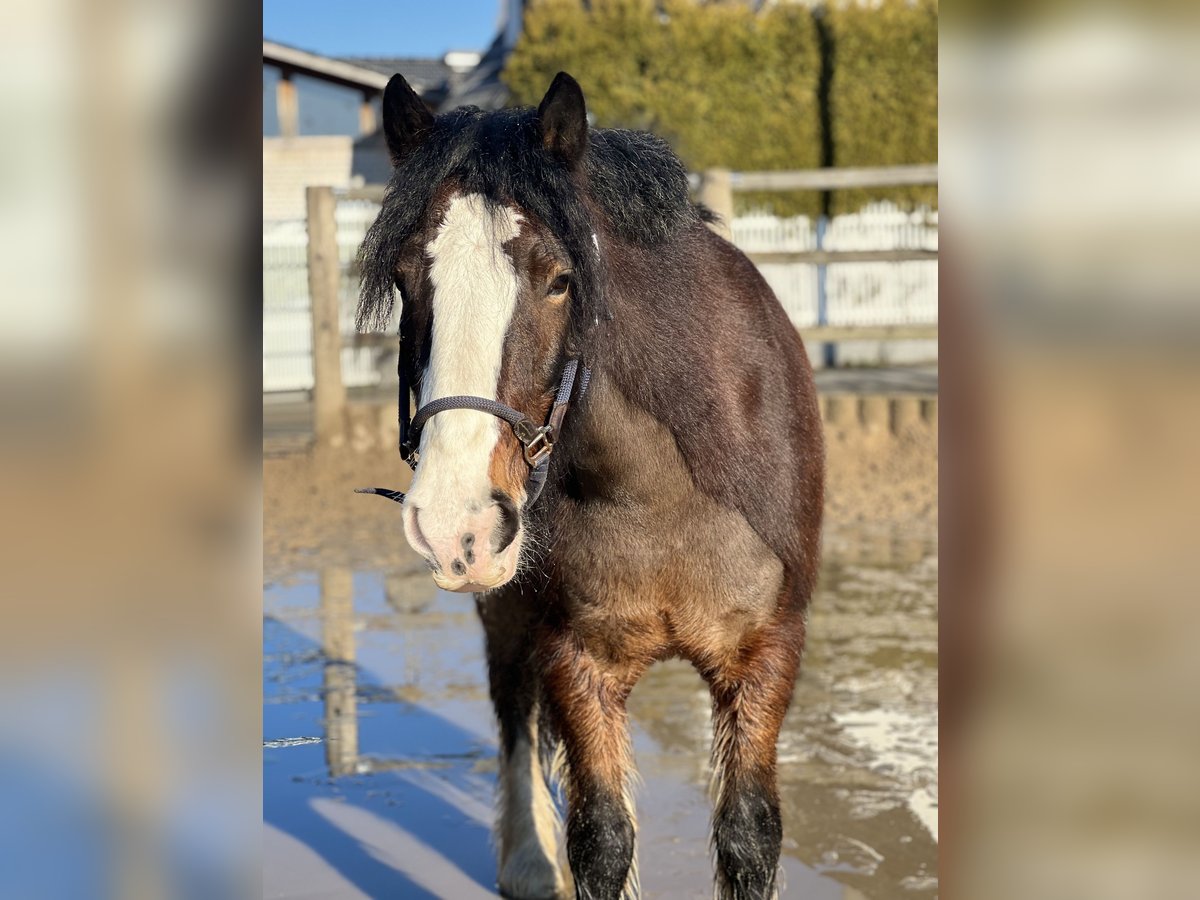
(379, 748)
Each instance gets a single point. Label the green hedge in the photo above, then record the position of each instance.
(736, 86)
(883, 95)
(611, 51)
(731, 87)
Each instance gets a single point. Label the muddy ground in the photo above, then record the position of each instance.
(379, 747)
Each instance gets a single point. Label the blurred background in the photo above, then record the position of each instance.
(1069, 142)
(154, 710)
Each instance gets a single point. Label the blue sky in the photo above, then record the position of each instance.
(381, 27)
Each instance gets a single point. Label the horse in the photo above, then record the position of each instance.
(617, 449)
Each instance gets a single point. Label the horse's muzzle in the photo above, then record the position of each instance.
(468, 552)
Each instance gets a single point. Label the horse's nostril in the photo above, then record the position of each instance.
(508, 524)
(416, 537)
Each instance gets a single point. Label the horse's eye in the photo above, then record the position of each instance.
(559, 286)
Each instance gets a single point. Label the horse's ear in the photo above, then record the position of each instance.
(562, 119)
(406, 119)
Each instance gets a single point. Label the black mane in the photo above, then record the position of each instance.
(633, 180)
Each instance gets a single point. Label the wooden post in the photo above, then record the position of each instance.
(906, 414)
(366, 116)
(324, 288)
(716, 192)
(287, 107)
(842, 410)
(874, 411)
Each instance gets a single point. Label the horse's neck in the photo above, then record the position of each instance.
(619, 448)
(652, 364)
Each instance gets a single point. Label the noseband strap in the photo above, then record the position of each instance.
(536, 440)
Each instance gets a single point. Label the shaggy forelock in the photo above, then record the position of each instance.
(634, 181)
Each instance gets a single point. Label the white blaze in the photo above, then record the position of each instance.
(474, 295)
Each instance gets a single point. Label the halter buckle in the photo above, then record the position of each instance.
(538, 446)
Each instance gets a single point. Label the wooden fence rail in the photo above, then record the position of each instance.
(716, 189)
(826, 257)
(834, 179)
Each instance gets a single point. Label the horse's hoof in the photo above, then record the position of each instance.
(529, 875)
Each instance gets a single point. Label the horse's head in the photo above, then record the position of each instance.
(487, 260)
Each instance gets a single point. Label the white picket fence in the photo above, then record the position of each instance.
(287, 323)
(876, 293)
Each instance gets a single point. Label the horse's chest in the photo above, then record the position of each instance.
(688, 578)
(647, 565)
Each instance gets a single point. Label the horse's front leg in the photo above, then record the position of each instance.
(751, 692)
(527, 822)
(587, 702)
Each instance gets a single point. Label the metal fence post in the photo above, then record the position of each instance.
(828, 349)
(716, 192)
(324, 284)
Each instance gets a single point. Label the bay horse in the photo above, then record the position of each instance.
(617, 448)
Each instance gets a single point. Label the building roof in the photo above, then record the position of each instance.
(327, 69)
(435, 80)
(459, 78)
(481, 86)
(424, 75)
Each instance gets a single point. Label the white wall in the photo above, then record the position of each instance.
(291, 164)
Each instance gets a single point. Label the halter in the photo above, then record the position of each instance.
(537, 441)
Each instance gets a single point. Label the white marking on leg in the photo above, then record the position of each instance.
(633, 881)
(528, 827)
